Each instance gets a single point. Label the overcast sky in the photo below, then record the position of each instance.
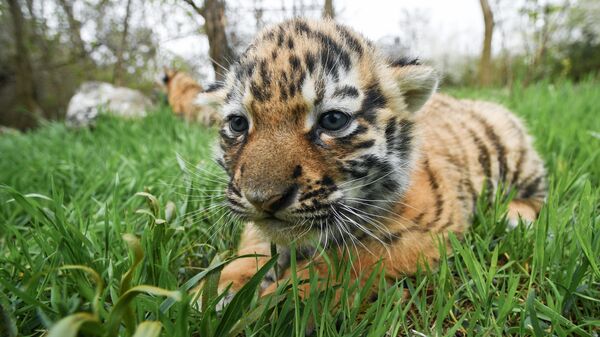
(455, 18)
(437, 27)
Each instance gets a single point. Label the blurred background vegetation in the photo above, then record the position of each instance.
(49, 47)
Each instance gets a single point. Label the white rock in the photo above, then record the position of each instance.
(94, 98)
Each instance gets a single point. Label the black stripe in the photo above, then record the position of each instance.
(439, 202)
(297, 171)
(350, 40)
(301, 27)
(405, 61)
(389, 185)
(318, 192)
(329, 64)
(340, 55)
(372, 161)
(484, 160)
(497, 143)
(484, 155)
(311, 209)
(355, 173)
(390, 132)
(360, 129)
(365, 145)
(532, 188)
(374, 99)
(280, 37)
(250, 67)
(446, 225)
(327, 181)
(292, 89)
(260, 94)
(417, 220)
(404, 142)
(519, 166)
(264, 73)
(229, 96)
(391, 238)
(214, 87)
(310, 60)
(234, 189)
(329, 46)
(345, 91)
(283, 94)
(235, 203)
(295, 62)
(462, 165)
(283, 84)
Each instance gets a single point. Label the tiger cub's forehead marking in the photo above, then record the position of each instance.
(298, 68)
(342, 95)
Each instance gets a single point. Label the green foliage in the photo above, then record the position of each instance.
(69, 196)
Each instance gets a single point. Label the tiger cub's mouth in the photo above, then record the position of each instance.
(273, 221)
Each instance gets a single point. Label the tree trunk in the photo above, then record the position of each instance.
(328, 11)
(220, 53)
(485, 64)
(38, 35)
(27, 109)
(74, 27)
(118, 71)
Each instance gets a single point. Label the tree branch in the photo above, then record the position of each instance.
(199, 10)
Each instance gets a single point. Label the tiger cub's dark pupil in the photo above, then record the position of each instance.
(238, 124)
(334, 120)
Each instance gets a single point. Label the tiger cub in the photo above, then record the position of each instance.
(182, 92)
(327, 143)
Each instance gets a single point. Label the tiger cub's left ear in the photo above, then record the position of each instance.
(213, 97)
(416, 82)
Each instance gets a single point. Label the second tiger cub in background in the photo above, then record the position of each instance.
(182, 92)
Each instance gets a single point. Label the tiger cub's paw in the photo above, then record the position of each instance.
(224, 302)
(235, 275)
(521, 211)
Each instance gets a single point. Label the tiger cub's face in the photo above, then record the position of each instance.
(317, 134)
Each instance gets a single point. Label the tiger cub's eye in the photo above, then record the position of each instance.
(238, 124)
(334, 120)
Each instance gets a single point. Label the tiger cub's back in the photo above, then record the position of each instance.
(467, 147)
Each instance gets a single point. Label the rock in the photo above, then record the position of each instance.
(94, 98)
(7, 130)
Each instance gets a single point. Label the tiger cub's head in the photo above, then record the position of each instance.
(317, 134)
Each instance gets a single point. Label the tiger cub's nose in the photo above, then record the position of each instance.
(272, 203)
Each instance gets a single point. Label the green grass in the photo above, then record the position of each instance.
(70, 197)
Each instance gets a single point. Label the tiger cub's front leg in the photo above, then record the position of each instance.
(237, 273)
(241, 270)
(398, 260)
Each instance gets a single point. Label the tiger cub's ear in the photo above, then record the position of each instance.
(212, 98)
(168, 75)
(416, 82)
